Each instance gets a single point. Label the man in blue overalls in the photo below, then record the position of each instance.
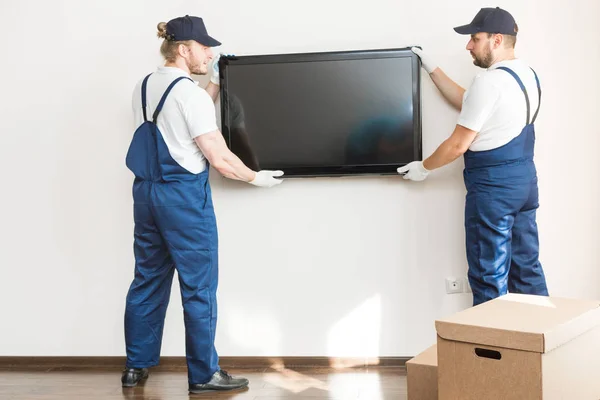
(495, 133)
(175, 227)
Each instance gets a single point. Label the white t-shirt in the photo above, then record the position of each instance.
(495, 107)
(187, 113)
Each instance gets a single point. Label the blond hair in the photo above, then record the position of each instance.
(169, 46)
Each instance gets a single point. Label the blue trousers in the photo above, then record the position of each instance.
(169, 237)
(501, 231)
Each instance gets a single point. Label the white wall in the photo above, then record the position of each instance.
(324, 267)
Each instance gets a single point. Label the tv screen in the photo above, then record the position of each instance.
(323, 114)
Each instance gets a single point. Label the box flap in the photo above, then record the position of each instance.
(427, 357)
(522, 322)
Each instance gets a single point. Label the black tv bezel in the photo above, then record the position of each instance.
(332, 170)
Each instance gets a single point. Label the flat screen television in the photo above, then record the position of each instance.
(323, 114)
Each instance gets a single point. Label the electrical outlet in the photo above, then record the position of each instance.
(454, 285)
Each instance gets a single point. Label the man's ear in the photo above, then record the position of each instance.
(498, 40)
(182, 50)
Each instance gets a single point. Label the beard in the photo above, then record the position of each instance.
(198, 68)
(485, 60)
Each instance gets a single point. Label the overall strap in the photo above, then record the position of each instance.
(539, 96)
(510, 71)
(164, 97)
(144, 84)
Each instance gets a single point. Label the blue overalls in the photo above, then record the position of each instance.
(175, 229)
(500, 216)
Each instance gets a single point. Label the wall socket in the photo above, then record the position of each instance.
(457, 285)
(453, 285)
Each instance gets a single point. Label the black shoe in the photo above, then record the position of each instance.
(132, 376)
(220, 381)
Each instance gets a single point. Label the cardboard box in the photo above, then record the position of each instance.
(421, 375)
(521, 347)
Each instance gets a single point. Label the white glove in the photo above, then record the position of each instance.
(266, 178)
(214, 76)
(426, 61)
(415, 171)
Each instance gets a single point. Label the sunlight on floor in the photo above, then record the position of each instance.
(293, 381)
(338, 385)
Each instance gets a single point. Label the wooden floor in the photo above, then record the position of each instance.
(265, 384)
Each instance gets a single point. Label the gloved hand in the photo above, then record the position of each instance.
(426, 61)
(266, 178)
(415, 171)
(214, 68)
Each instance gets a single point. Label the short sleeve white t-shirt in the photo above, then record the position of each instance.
(187, 113)
(494, 106)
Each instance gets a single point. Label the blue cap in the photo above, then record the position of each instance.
(190, 28)
(490, 20)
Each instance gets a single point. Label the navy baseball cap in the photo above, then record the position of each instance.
(490, 20)
(190, 28)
